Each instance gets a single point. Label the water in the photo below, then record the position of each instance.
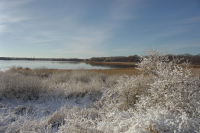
(53, 64)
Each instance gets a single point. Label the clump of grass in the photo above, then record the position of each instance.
(38, 72)
(20, 87)
(60, 77)
(119, 71)
(79, 83)
(42, 72)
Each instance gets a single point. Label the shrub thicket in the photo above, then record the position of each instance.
(15, 85)
(164, 98)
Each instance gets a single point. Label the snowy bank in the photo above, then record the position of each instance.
(4, 69)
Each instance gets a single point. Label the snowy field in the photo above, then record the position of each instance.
(4, 69)
(164, 98)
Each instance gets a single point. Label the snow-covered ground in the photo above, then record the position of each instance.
(167, 100)
(15, 113)
(4, 69)
(32, 103)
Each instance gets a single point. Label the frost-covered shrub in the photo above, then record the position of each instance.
(11, 123)
(57, 119)
(85, 76)
(60, 77)
(14, 85)
(173, 87)
(154, 120)
(42, 72)
(166, 96)
(111, 81)
(130, 88)
(80, 120)
(81, 76)
(78, 83)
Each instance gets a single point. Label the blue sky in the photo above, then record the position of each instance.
(97, 28)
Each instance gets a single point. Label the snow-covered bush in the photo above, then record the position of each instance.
(78, 83)
(173, 87)
(86, 76)
(60, 77)
(126, 92)
(164, 98)
(14, 85)
(165, 92)
(80, 120)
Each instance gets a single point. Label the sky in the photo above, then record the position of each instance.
(98, 28)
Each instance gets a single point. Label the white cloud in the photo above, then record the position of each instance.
(195, 19)
(68, 33)
(12, 4)
(85, 44)
(10, 13)
(89, 39)
(11, 19)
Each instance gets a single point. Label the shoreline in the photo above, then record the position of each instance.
(110, 63)
(132, 64)
(117, 71)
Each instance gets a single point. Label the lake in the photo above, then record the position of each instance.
(54, 64)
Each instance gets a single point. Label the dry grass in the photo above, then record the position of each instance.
(195, 72)
(126, 63)
(130, 70)
(111, 63)
(43, 72)
(195, 66)
(39, 72)
(119, 71)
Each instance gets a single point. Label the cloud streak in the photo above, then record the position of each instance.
(91, 28)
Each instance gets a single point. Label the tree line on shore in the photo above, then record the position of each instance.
(44, 59)
(193, 59)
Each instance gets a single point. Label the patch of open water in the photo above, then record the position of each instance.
(56, 64)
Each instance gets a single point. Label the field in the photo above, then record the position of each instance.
(158, 96)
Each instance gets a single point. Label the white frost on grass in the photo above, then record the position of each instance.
(165, 98)
(4, 69)
(39, 104)
(14, 112)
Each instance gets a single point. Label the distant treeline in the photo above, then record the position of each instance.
(193, 59)
(42, 59)
(134, 58)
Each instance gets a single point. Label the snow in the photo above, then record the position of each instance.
(18, 111)
(40, 109)
(4, 69)
(167, 100)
